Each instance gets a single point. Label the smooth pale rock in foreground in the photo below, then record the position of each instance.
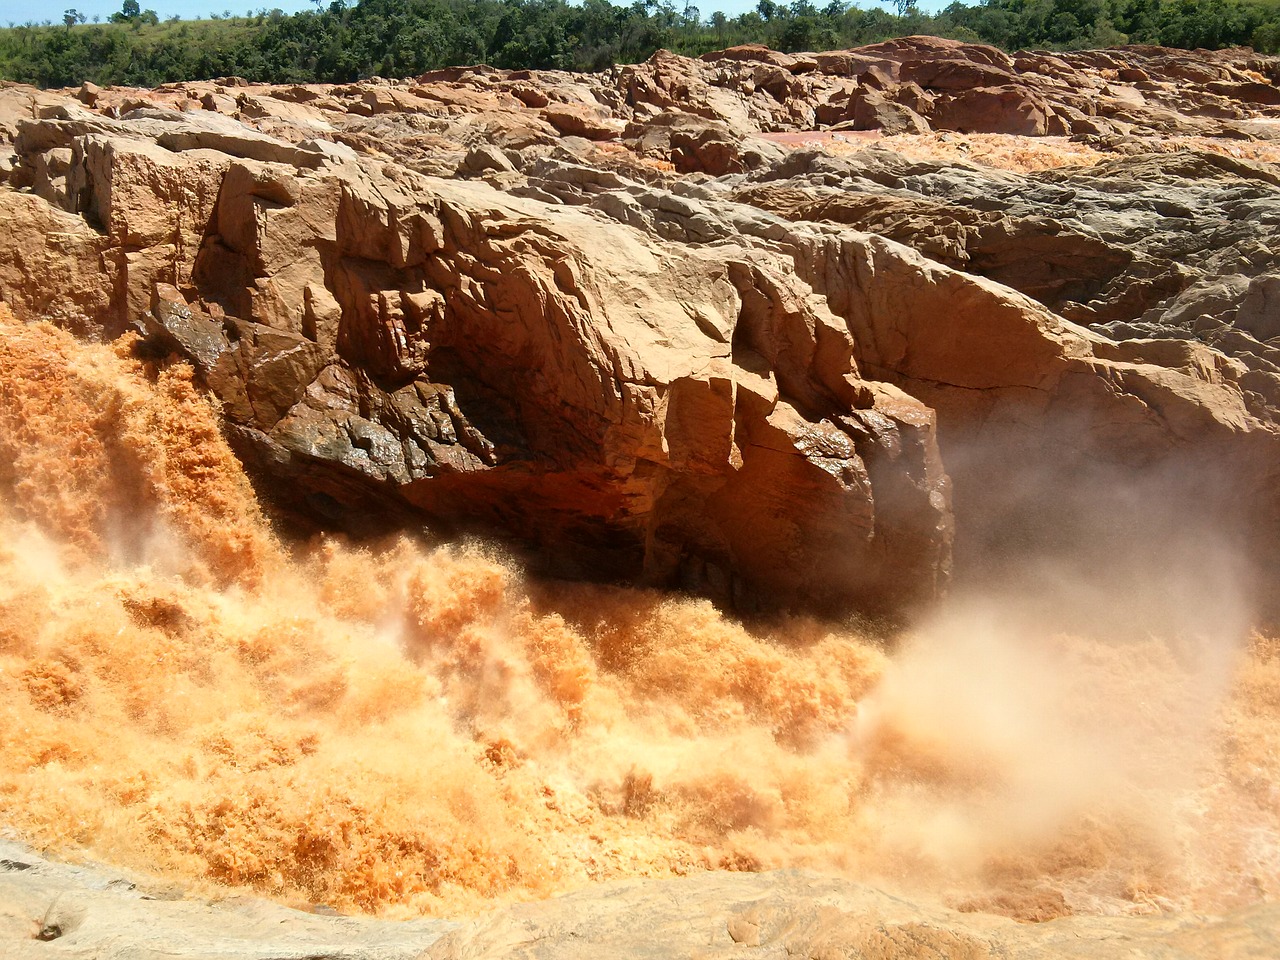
(50, 909)
(93, 914)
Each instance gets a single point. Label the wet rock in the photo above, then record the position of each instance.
(170, 326)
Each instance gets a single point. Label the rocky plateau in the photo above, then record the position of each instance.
(734, 325)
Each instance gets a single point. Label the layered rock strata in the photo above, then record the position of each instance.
(621, 321)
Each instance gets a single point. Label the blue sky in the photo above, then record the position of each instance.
(21, 11)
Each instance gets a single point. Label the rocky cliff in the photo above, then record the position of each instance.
(788, 331)
(764, 327)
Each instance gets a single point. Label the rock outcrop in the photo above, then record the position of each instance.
(623, 322)
(783, 330)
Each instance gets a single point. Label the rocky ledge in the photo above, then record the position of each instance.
(764, 327)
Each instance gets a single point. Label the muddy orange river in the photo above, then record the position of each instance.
(412, 728)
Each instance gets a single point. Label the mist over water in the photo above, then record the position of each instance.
(403, 728)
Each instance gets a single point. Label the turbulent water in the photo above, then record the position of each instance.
(415, 729)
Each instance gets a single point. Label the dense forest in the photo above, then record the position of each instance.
(398, 38)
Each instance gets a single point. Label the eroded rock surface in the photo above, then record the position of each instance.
(52, 909)
(623, 321)
(48, 909)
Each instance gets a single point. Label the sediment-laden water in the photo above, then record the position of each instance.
(408, 727)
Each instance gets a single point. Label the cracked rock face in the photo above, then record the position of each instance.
(623, 322)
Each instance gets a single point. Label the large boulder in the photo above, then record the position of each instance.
(615, 404)
(53, 264)
(1003, 109)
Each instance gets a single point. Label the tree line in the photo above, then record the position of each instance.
(397, 38)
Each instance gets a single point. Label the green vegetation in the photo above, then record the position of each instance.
(406, 37)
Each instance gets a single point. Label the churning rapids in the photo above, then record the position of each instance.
(409, 730)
